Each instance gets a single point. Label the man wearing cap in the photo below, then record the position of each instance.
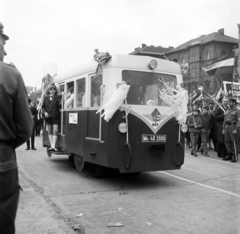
(205, 130)
(15, 128)
(195, 124)
(231, 126)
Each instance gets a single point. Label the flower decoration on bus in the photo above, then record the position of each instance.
(177, 99)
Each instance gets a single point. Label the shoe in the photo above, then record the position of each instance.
(50, 149)
(33, 148)
(234, 160)
(195, 154)
(228, 157)
(192, 153)
(207, 155)
(54, 149)
(28, 148)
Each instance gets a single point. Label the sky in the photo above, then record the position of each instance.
(67, 31)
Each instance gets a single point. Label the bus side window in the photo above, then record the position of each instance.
(62, 89)
(96, 82)
(81, 89)
(69, 102)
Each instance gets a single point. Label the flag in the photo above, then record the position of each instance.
(225, 63)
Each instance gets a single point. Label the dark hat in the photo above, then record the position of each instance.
(232, 99)
(196, 110)
(1, 32)
(206, 107)
(52, 86)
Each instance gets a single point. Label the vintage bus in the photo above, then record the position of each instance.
(147, 138)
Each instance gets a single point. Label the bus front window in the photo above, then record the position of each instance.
(145, 86)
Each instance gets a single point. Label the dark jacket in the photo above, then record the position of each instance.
(15, 118)
(52, 107)
(16, 121)
(218, 125)
(195, 120)
(34, 112)
(207, 121)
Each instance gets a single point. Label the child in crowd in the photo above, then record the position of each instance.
(195, 124)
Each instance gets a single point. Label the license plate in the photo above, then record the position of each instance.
(154, 138)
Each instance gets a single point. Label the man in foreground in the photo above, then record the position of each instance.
(15, 128)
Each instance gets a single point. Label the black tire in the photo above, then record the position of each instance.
(79, 162)
(71, 161)
(97, 171)
(134, 174)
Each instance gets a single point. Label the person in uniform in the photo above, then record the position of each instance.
(231, 131)
(16, 125)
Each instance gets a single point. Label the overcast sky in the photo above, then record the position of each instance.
(68, 31)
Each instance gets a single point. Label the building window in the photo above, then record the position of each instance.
(183, 60)
(207, 55)
(194, 56)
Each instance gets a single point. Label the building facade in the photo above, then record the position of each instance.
(200, 52)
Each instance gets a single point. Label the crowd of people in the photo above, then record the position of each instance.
(214, 125)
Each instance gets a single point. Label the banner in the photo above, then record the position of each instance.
(232, 88)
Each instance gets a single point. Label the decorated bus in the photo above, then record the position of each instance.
(128, 113)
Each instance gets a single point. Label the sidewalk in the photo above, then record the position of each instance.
(36, 213)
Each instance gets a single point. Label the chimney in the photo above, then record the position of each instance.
(221, 31)
(144, 45)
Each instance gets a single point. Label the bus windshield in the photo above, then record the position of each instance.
(145, 86)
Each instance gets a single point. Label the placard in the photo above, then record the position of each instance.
(73, 118)
(232, 88)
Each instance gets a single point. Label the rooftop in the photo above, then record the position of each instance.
(146, 50)
(204, 39)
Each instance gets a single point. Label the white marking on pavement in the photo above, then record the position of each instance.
(200, 184)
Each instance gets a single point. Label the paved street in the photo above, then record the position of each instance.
(202, 197)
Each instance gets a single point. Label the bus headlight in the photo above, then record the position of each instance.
(153, 64)
(122, 127)
(184, 128)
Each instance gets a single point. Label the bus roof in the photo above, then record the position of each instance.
(122, 61)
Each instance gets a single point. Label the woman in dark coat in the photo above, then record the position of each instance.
(218, 128)
(51, 109)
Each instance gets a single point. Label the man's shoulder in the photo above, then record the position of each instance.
(8, 68)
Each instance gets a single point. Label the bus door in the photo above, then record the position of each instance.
(75, 115)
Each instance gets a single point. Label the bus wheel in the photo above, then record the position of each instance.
(49, 153)
(79, 162)
(71, 161)
(97, 171)
(134, 174)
